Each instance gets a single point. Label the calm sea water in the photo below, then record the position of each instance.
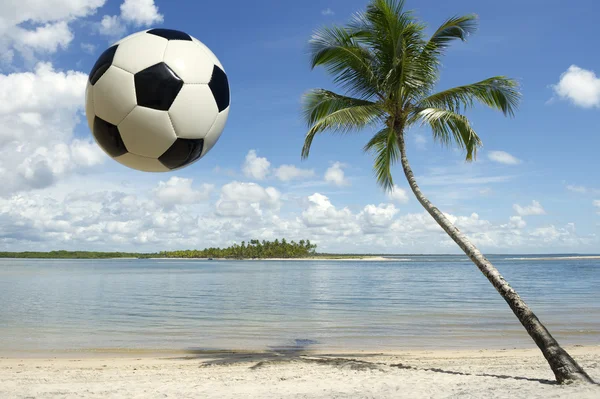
(413, 302)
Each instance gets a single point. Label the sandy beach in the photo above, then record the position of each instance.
(512, 373)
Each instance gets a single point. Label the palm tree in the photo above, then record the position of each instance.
(388, 69)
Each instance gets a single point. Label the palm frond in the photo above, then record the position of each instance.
(394, 35)
(457, 27)
(499, 92)
(325, 110)
(352, 65)
(449, 127)
(423, 71)
(384, 145)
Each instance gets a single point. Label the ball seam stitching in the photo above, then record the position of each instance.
(122, 69)
(125, 117)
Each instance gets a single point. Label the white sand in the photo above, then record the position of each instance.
(422, 374)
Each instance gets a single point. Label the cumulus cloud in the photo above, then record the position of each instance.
(375, 219)
(503, 157)
(111, 26)
(47, 38)
(579, 86)
(133, 12)
(140, 12)
(321, 213)
(39, 111)
(291, 172)
(335, 175)
(534, 209)
(256, 167)
(178, 190)
(247, 200)
(49, 21)
(398, 194)
(112, 218)
(327, 12)
(517, 222)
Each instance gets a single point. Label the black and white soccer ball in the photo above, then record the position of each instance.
(157, 100)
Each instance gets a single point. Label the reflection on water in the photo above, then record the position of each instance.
(423, 302)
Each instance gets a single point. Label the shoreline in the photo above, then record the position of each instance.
(514, 373)
(251, 354)
(378, 258)
(365, 258)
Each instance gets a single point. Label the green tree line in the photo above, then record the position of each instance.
(253, 249)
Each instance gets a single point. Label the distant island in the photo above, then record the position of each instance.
(254, 249)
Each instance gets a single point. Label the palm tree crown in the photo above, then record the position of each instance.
(389, 69)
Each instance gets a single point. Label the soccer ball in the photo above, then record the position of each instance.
(157, 100)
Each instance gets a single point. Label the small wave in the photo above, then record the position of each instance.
(557, 258)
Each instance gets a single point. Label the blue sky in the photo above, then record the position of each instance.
(534, 187)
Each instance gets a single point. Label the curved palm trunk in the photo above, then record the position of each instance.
(565, 368)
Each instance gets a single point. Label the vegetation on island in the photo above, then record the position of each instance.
(62, 254)
(254, 249)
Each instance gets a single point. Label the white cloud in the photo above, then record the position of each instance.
(580, 86)
(322, 213)
(398, 194)
(39, 111)
(375, 219)
(327, 12)
(246, 200)
(291, 172)
(503, 157)
(335, 175)
(140, 12)
(46, 38)
(178, 190)
(596, 203)
(517, 222)
(49, 21)
(256, 167)
(111, 26)
(111, 217)
(577, 189)
(133, 12)
(534, 209)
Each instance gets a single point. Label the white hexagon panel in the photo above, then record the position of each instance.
(114, 95)
(194, 111)
(140, 52)
(147, 132)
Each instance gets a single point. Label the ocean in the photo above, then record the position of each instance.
(409, 302)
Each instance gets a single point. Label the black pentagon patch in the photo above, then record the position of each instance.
(182, 152)
(220, 88)
(170, 34)
(157, 87)
(108, 137)
(102, 64)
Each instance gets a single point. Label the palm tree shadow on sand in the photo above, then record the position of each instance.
(300, 352)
